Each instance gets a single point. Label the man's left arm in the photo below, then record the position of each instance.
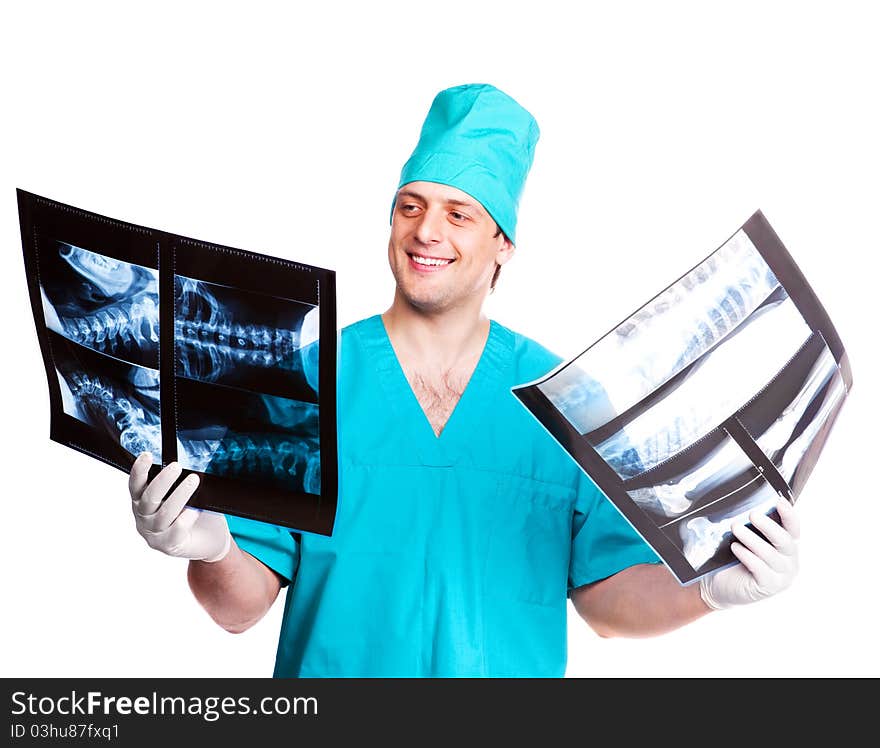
(646, 599)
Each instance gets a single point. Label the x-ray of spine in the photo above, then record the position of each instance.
(708, 535)
(665, 336)
(118, 399)
(257, 456)
(230, 336)
(258, 437)
(101, 302)
(709, 391)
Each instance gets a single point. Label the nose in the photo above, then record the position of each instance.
(430, 227)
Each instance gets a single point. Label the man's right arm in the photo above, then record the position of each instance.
(236, 591)
(233, 587)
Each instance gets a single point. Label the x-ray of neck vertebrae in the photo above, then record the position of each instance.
(122, 404)
(206, 355)
(227, 336)
(264, 438)
(105, 313)
(261, 351)
(102, 303)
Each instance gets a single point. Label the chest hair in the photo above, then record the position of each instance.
(438, 393)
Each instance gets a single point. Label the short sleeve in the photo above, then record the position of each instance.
(272, 545)
(603, 541)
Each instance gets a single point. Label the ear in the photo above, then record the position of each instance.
(505, 251)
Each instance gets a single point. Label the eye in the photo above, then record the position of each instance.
(458, 216)
(408, 208)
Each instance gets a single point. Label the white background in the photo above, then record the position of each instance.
(282, 130)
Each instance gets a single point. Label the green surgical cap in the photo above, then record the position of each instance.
(479, 140)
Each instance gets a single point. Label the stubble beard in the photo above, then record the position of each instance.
(431, 302)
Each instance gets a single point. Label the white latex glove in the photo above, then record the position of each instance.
(765, 568)
(171, 526)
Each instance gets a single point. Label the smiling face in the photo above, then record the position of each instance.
(444, 248)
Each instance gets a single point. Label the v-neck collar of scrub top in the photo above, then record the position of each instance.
(451, 447)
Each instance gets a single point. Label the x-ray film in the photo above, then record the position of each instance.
(708, 403)
(220, 359)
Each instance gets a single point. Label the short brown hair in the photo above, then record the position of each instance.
(497, 266)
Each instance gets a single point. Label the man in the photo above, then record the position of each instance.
(462, 527)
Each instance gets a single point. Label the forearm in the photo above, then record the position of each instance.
(236, 591)
(641, 601)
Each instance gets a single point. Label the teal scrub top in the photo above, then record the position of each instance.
(451, 556)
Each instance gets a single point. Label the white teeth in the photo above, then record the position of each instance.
(429, 260)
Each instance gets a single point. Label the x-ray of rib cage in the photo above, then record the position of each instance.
(706, 404)
(708, 305)
(672, 371)
(101, 302)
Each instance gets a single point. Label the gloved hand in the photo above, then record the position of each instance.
(171, 526)
(765, 568)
